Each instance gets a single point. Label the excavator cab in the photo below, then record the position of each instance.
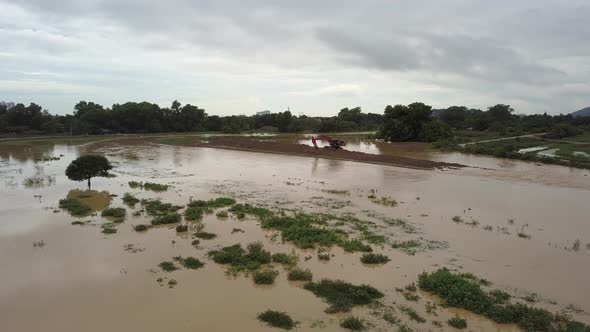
(335, 144)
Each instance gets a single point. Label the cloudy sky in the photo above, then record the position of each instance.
(239, 57)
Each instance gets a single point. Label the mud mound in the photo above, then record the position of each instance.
(247, 144)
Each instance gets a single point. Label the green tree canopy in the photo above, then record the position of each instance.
(87, 167)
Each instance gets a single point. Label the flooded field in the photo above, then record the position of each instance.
(523, 228)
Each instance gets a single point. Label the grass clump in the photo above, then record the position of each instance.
(240, 259)
(374, 259)
(324, 256)
(355, 245)
(74, 207)
(171, 218)
(154, 207)
(412, 314)
(342, 296)
(277, 319)
(168, 266)
(193, 213)
(148, 186)
(285, 259)
(221, 202)
(465, 292)
(204, 235)
(181, 228)
(266, 277)
(298, 274)
(189, 262)
(109, 230)
(457, 322)
(244, 209)
(141, 228)
(114, 213)
(353, 324)
(130, 200)
(222, 214)
(457, 219)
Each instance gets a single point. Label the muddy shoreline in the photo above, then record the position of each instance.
(253, 145)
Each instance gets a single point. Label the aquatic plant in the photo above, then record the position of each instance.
(298, 274)
(374, 259)
(157, 208)
(277, 319)
(193, 213)
(129, 199)
(353, 324)
(342, 296)
(168, 266)
(222, 214)
(204, 235)
(239, 259)
(141, 228)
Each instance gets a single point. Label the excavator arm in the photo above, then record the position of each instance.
(334, 143)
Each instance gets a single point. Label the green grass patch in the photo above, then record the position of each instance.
(412, 314)
(193, 213)
(277, 319)
(374, 259)
(343, 296)
(148, 186)
(171, 218)
(285, 259)
(298, 274)
(74, 207)
(114, 213)
(157, 208)
(266, 277)
(189, 262)
(244, 209)
(353, 324)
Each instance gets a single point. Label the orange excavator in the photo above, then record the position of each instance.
(335, 144)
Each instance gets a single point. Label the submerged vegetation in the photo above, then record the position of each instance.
(374, 259)
(343, 296)
(148, 186)
(74, 207)
(171, 218)
(266, 277)
(239, 259)
(130, 200)
(298, 274)
(277, 319)
(189, 262)
(114, 213)
(457, 322)
(353, 324)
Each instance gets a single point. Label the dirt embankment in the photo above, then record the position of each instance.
(248, 144)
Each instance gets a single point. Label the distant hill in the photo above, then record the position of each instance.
(582, 112)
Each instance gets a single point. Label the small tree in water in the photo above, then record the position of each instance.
(87, 167)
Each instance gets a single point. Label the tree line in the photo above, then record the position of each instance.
(413, 122)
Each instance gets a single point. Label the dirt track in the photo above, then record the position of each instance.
(247, 144)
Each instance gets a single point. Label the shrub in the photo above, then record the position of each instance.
(157, 208)
(171, 218)
(193, 213)
(342, 296)
(457, 322)
(281, 258)
(324, 256)
(355, 245)
(298, 274)
(141, 228)
(374, 259)
(189, 262)
(222, 214)
(240, 259)
(277, 319)
(499, 296)
(109, 230)
(181, 228)
(114, 212)
(168, 266)
(155, 186)
(265, 277)
(353, 324)
(412, 314)
(74, 207)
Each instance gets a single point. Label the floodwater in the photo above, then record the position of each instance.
(82, 280)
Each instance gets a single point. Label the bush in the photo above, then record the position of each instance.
(171, 218)
(193, 213)
(353, 324)
(155, 186)
(277, 319)
(157, 208)
(205, 235)
(189, 262)
(168, 266)
(74, 207)
(457, 322)
(342, 296)
(141, 228)
(181, 228)
(222, 214)
(265, 277)
(298, 274)
(114, 212)
(374, 259)
(109, 230)
(130, 199)
(281, 258)
(355, 245)
(240, 259)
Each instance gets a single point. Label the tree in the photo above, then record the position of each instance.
(87, 167)
(412, 123)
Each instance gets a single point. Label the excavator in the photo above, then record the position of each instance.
(335, 144)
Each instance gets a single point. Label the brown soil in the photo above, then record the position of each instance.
(247, 144)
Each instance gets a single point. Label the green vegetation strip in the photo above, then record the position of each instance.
(343, 296)
(464, 291)
(277, 319)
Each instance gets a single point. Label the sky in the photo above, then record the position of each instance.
(314, 57)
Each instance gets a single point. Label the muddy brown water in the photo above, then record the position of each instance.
(81, 279)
